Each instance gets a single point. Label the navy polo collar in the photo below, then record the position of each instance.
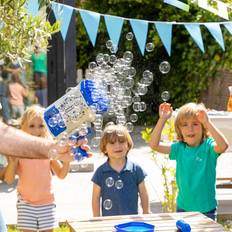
(128, 166)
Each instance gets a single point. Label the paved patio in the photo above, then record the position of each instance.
(73, 194)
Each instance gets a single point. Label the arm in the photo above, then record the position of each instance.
(61, 170)
(96, 200)
(144, 198)
(221, 143)
(11, 169)
(165, 112)
(14, 142)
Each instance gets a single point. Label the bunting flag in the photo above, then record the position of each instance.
(114, 28)
(221, 8)
(63, 13)
(228, 27)
(215, 30)
(140, 28)
(91, 21)
(32, 7)
(195, 31)
(178, 4)
(114, 25)
(165, 33)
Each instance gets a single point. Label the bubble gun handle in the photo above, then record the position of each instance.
(79, 153)
(183, 226)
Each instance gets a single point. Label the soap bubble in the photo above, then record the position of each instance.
(100, 58)
(165, 96)
(128, 56)
(61, 124)
(150, 47)
(132, 72)
(113, 59)
(134, 117)
(129, 36)
(109, 44)
(136, 106)
(114, 49)
(109, 181)
(128, 83)
(130, 126)
(119, 184)
(92, 65)
(143, 106)
(164, 67)
(136, 98)
(107, 204)
(52, 122)
(141, 89)
(95, 142)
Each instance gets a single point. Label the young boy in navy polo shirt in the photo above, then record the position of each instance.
(118, 181)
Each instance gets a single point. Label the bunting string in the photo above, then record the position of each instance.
(114, 25)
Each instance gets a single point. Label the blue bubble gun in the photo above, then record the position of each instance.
(183, 226)
(76, 107)
(79, 153)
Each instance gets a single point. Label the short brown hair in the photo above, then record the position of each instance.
(112, 133)
(188, 110)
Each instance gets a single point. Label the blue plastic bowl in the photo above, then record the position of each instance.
(135, 227)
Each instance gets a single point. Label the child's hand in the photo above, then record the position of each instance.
(202, 116)
(165, 111)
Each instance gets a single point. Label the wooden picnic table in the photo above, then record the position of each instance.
(165, 222)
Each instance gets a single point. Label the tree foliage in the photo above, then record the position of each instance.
(19, 31)
(191, 69)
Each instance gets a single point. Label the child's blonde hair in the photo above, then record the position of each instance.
(113, 133)
(188, 110)
(29, 114)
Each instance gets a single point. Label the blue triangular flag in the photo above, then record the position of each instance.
(63, 13)
(32, 7)
(228, 26)
(114, 27)
(178, 4)
(165, 33)
(215, 30)
(91, 21)
(195, 31)
(140, 28)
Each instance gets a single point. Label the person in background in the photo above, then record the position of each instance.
(199, 145)
(4, 96)
(39, 63)
(17, 92)
(118, 181)
(36, 204)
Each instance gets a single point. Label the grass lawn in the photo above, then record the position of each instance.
(63, 228)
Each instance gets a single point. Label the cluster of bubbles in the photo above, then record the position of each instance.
(111, 183)
(118, 76)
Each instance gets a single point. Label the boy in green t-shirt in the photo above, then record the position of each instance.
(196, 156)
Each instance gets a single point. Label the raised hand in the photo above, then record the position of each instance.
(202, 116)
(165, 110)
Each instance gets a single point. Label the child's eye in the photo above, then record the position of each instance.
(41, 126)
(31, 126)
